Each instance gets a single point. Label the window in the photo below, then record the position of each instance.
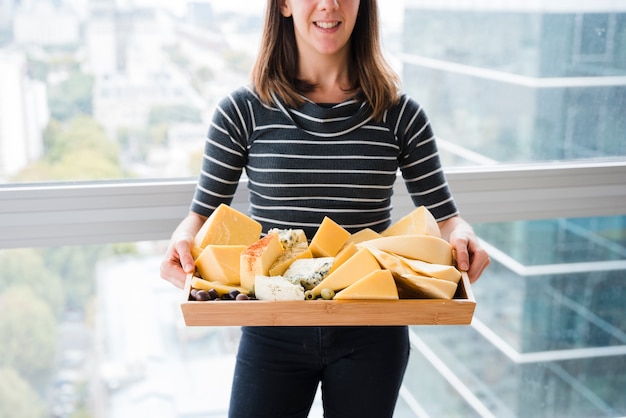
(102, 119)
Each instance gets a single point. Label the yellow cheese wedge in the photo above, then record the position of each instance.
(419, 222)
(343, 255)
(220, 288)
(363, 235)
(414, 286)
(418, 247)
(291, 254)
(195, 251)
(438, 271)
(220, 263)
(328, 239)
(227, 226)
(356, 267)
(378, 284)
(391, 262)
(257, 259)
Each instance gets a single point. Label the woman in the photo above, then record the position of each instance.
(321, 132)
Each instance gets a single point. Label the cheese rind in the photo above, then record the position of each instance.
(418, 222)
(257, 259)
(328, 239)
(418, 247)
(378, 284)
(220, 263)
(356, 267)
(277, 288)
(228, 226)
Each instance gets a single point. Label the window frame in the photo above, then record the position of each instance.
(37, 215)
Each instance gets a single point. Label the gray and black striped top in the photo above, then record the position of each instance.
(304, 164)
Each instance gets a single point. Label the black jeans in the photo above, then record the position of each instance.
(278, 370)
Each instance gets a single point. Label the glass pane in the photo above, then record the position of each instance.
(518, 86)
(549, 333)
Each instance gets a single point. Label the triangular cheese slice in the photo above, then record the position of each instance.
(378, 284)
(356, 267)
(438, 271)
(343, 255)
(416, 287)
(419, 222)
(418, 247)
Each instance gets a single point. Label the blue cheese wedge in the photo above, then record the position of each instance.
(289, 237)
(277, 288)
(309, 272)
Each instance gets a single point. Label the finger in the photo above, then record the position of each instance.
(184, 254)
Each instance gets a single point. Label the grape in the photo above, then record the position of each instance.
(213, 294)
(242, 296)
(202, 295)
(308, 295)
(234, 293)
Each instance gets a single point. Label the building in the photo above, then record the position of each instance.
(523, 82)
(24, 114)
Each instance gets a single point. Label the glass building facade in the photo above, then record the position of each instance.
(502, 86)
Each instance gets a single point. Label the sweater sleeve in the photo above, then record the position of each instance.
(419, 161)
(225, 155)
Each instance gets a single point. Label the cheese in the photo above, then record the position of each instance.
(377, 285)
(309, 272)
(289, 237)
(257, 259)
(328, 239)
(438, 271)
(277, 288)
(344, 254)
(220, 288)
(195, 251)
(291, 254)
(418, 247)
(419, 222)
(414, 286)
(356, 267)
(391, 262)
(227, 226)
(220, 263)
(363, 235)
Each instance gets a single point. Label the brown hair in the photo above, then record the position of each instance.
(276, 68)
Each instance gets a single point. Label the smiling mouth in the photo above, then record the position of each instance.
(326, 25)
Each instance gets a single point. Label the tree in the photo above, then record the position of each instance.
(25, 266)
(77, 150)
(17, 398)
(29, 332)
(72, 97)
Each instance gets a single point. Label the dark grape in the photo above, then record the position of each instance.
(242, 296)
(202, 295)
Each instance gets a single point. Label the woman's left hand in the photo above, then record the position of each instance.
(468, 253)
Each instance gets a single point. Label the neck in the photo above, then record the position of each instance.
(330, 75)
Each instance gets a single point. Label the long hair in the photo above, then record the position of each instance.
(276, 68)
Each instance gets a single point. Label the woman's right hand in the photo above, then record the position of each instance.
(178, 262)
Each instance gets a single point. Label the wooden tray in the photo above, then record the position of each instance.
(458, 311)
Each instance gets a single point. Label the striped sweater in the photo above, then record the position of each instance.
(315, 161)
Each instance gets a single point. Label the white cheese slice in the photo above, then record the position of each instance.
(277, 288)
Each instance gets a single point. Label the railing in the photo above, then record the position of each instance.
(130, 211)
